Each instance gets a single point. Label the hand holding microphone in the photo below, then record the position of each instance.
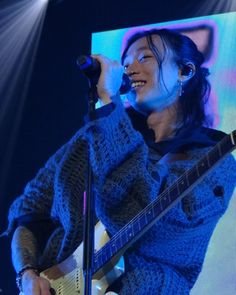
(106, 74)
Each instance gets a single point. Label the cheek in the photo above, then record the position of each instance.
(154, 81)
(170, 77)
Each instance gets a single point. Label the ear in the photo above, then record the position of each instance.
(186, 71)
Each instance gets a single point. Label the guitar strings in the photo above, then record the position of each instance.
(151, 207)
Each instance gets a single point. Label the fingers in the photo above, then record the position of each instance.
(110, 78)
(107, 63)
(44, 287)
(35, 285)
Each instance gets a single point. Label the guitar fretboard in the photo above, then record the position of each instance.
(156, 209)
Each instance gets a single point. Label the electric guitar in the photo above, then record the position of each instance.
(66, 278)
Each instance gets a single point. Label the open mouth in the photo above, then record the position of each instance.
(137, 84)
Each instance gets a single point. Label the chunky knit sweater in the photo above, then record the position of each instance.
(127, 176)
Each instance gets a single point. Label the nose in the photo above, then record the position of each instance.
(131, 72)
(132, 69)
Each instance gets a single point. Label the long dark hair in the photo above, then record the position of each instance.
(197, 90)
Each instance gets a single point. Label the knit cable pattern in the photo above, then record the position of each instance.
(169, 257)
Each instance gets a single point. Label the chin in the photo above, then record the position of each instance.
(142, 108)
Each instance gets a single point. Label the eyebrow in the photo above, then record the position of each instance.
(143, 48)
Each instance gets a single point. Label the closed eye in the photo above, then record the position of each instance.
(143, 58)
(140, 60)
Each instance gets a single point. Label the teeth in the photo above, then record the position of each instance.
(137, 84)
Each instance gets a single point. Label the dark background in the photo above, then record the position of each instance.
(56, 99)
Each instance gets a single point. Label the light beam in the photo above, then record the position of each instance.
(20, 29)
(215, 7)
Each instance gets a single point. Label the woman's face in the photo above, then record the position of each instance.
(151, 91)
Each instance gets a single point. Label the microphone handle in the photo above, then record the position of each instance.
(92, 70)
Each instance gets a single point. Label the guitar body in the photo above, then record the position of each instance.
(66, 278)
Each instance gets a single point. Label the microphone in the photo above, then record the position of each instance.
(92, 69)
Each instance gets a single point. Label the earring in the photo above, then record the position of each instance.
(181, 91)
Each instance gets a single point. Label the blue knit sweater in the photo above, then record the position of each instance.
(127, 176)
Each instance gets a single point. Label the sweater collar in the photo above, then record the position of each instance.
(187, 138)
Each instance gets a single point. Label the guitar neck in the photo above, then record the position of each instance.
(156, 209)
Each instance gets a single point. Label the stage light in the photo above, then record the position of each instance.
(20, 29)
(215, 7)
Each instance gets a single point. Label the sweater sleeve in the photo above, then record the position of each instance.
(36, 201)
(109, 139)
(119, 160)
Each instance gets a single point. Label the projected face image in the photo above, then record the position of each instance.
(154, 86)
